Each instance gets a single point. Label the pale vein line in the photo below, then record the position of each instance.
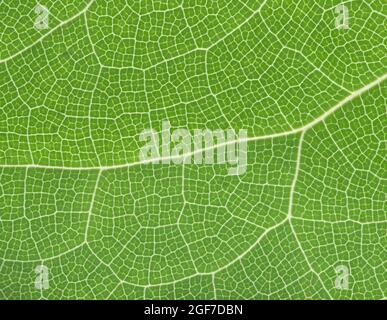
(308, 262)
(103, 263)
(317, 68)
(294, 131)
(180, 215)
(45, 259)
(209, 47)
(75, 247)
(197, 49)
(239, 26)
(92, 204)
(114, 290)
(361, 223)
(214, 286)
(292, 190)
(295, 178)
(212, 273)
(306, 127)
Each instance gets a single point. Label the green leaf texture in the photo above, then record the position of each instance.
(75, 198)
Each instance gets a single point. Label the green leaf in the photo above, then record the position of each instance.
(306, 220)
